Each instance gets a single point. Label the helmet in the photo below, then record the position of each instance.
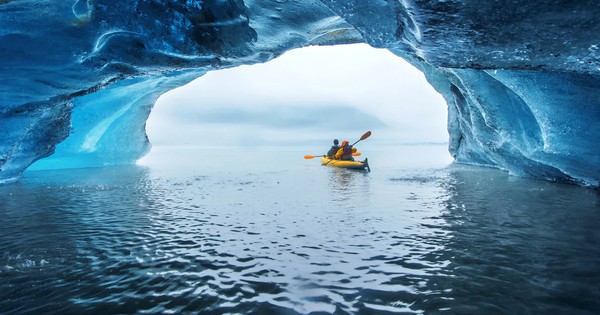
(345, 142)
(335, 141)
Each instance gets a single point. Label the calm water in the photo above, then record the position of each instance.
(263, 231)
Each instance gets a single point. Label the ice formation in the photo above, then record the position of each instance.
(521, 78)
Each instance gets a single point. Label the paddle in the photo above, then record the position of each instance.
(308, 157)
(365, 136)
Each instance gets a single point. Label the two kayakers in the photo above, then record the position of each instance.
(334, 148)
(343, 152)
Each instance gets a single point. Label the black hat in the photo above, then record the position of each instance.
(335, 141)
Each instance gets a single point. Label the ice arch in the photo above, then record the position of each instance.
(521, 78)
(303, 98)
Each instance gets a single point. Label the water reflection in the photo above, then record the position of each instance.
(516, 246)
(68, 234)
(348, 184)
(296, 240)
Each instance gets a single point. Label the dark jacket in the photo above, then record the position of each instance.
(332, 151)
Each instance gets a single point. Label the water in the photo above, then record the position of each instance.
(263, 231)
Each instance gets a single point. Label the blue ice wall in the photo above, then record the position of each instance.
(530, 123)
(521, 78)
(108, 127)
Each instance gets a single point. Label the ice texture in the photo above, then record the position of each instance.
(521, 78)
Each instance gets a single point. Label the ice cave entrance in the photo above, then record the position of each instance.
(305, 97)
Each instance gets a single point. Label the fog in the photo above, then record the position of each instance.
(305, 97)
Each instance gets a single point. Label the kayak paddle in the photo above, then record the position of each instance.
(308, 157)
(365, 136)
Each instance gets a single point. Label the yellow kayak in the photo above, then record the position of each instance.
(357, 165)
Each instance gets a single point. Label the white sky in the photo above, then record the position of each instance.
(303, 97)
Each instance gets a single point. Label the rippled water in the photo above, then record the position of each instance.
(264, 231)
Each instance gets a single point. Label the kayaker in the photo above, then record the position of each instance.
(334, 148)
(345, 152)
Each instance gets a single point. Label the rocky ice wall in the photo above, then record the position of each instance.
(521, 78)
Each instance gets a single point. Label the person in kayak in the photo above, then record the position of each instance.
(334, 148)
(345, 152)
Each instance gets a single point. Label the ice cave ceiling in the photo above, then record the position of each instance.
(521, 78)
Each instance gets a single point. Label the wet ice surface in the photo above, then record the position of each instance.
(221, 230)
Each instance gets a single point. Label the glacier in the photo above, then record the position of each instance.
(521, 78)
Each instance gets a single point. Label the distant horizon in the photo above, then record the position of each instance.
(374, 144)
(307, 95)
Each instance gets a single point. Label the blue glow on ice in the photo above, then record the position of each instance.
(522, 85)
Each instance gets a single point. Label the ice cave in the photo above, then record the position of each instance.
(521, 78)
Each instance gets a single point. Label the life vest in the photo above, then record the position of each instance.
(340, 154)
(346, 152)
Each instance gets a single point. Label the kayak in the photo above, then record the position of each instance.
(356, 165)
